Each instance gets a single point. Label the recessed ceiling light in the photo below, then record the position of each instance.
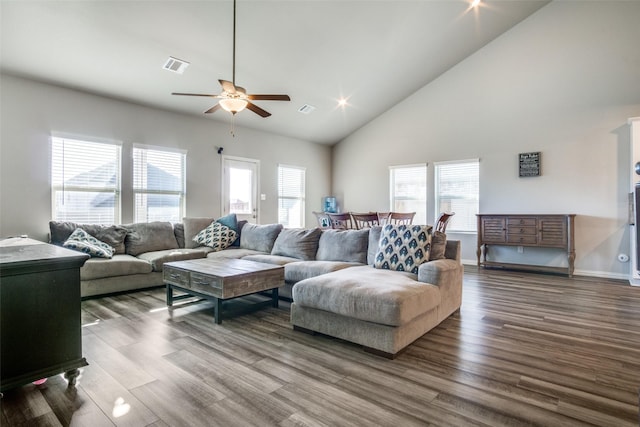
(342, 102)
(176, 65)
(475, 3)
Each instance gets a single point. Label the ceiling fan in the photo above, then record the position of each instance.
(235, 98)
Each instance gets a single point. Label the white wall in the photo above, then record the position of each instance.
(562, 82)
(31, 111)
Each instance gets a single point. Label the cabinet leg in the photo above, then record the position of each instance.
(72, 376)
(572, 259)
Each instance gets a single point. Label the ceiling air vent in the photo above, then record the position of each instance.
(176, 65)
(306, 109)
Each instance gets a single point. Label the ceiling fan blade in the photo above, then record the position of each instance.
(196, 94)
(213, 109)
(269, 97)
(259, 111)
(227, 86)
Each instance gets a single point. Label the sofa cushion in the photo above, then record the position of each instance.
(438, 245)
(259, 237)
(297, 243)
(149, 236)
(112, 235)
(343, 245)
(119, 265)
(403, 247)
(82, 241)
(192, 226)
(233, 253)
(158, 258)
(300, 270)
(215, 236)
(381, 296)
(271, 259)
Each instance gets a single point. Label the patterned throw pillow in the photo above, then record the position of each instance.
(403, 247)
(216, 236)
(82, 241)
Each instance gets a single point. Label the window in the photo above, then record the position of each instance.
(457, 190)
(291, 196)
(85, 181)
(158, 184)
(408, 190)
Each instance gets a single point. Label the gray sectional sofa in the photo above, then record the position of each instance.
(329, 275)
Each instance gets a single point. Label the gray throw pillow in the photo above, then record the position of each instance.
(112, 235)
(438, 245)
(343, 245)
(192, 226)
(178, 231)
(241, 224)
(259, 237)
(374, 240)
(297, 243)
(149, 236)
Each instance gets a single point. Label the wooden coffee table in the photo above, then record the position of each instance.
(218, 280)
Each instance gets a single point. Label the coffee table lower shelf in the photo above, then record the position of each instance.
(218, 302)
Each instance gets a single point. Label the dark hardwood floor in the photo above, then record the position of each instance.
(526, 349)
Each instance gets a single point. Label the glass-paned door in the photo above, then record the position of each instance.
(240, 188)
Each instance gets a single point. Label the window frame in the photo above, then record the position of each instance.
(421, 216)
(469, 219)
(116, 189)
(182, 193)
(301, 198)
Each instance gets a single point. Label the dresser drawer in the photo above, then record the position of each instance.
(526, 222)
(522, 238)
(176, 276)
(205, 283)
(521, 230)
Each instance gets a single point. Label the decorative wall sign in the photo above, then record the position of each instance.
(530, 164)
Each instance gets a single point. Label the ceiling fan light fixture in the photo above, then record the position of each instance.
(233, 105)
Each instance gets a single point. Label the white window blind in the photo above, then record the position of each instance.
(291, 196)
(158, 184)
(457, 187)
(85, 181)
(408, 190)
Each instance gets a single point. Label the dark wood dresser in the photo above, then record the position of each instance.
(40, 331)
(543, 231)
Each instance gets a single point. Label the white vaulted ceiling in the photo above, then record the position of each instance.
(374, 53)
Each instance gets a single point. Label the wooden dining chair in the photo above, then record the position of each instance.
(443, 220)
(383, 218)
(365, 220)
(323, 219)
(341, 220)
(401, 217)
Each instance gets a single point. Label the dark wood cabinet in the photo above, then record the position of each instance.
(545, 231)
(40, 330)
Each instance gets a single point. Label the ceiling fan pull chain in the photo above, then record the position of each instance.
(233, 126)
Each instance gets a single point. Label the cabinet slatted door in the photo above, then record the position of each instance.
(493, 229)
(553, 232)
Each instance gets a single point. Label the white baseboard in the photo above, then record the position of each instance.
(587, 273)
